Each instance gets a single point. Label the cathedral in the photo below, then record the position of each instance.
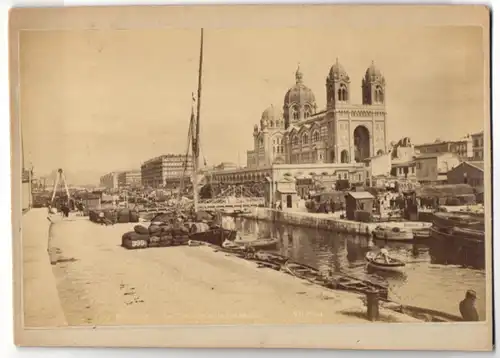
(343, 132)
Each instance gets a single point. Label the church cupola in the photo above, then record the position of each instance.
(373, 86)
(299, 102)
(337, 86)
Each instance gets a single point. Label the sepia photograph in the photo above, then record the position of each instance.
(214, 172)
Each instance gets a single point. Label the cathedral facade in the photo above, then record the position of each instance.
(343, 132)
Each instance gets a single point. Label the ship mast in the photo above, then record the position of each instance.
(196, 141)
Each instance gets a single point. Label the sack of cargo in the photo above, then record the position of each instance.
(181, 240)
(165, 228)
(135, 241)
(139, 229)
(154, 239)
(153, 229)
(126, 236)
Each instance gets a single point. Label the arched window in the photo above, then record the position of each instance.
(379, 95)
(271, 123)
(342, 93)
(344, 156)
(305, 138)
(316, 136)
(307, 112)
(339, 94)
(295, 113)
(295, 140)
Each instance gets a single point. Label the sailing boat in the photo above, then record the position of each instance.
(214, 234)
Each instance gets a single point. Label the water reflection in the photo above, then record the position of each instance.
(426, 281)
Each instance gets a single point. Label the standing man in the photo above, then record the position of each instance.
(468, 307)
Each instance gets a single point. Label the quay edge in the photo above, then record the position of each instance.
(311, 220)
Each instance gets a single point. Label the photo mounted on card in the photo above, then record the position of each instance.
(252, 176)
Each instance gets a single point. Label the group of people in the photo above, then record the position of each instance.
(65, 208)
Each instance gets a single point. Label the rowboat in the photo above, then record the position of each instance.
(393, 233)
(375, 261)
(259, 244)
(214, 236)
(424, 314)
(335, 281)
(269, 257)
(305, 272)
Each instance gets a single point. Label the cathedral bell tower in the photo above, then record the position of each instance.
(337, 86)
(373, 86)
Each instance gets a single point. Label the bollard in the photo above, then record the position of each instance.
(372, 305)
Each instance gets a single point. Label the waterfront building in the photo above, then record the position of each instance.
(471, 173)
(478, 146)
(462, 147)
(434, 167)
(130, 178)
(166, 170)
(403, 164)
(109, 181)
(26, 189)
(343, 132)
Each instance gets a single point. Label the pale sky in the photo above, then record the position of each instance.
(104, 100)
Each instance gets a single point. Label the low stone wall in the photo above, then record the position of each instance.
(311, 220)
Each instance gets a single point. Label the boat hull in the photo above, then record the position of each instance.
(259, 244)
(394, 265)
(378, 267)
(214, 236)
(393, 236)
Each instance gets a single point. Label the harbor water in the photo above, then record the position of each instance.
(429, 280)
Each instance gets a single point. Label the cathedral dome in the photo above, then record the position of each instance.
(271, 114)
(338, 72)
(300, 93)
(271, 118)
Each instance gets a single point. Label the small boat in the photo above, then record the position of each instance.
(458, 234)
(259, 244)
(423, 233)
(424, 314)
(393, 233)
(270, 257)
(215, 236)
(375, 261)
(353, 284)
(461, 220)
(305, 272)
(335, 281)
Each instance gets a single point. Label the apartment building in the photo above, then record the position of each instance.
(166, 170)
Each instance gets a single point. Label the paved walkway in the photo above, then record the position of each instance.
(101, 283)
(41, 302)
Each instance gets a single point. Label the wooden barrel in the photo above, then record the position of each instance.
(123, 216)
(134, 216)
